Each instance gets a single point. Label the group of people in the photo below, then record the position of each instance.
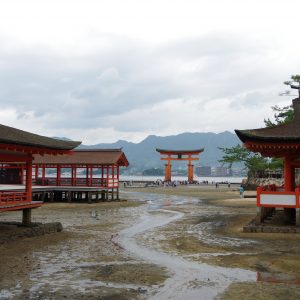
(228, 184)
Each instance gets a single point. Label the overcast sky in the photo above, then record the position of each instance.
(100, 71)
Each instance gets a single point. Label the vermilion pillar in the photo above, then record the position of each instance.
(43, 175)
(74, 171)
(22, 174)
(58, 175)
(91, 176)
(168, 171)
(87, 175)
(289, 176)
(36, 173)
(29, 179)
(190, 172)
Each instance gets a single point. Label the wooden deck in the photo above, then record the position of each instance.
(62, 193)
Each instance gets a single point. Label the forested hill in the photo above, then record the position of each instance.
(143, 156)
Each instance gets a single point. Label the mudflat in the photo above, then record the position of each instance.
(90, 257)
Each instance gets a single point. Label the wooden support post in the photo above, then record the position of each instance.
(118, 194)
(89, 197)
(69, 196)
(26, 219)
(112, 194)
(298, 217)
(51, 196)
(258, 218)
(263, 213)
(288, 215)
(43, 197)
(97, 197)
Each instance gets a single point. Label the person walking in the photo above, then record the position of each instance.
(241, 191)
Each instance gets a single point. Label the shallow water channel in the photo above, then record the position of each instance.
(188, 280)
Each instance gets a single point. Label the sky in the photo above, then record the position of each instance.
(103, 70)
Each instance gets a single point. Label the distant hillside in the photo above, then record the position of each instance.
(143, 156)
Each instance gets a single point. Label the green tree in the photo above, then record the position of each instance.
(283, 115)
(239, 154)
(294, 83)
(254, 161)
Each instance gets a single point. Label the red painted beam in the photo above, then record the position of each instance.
(19, 207)
(33, 150)
(14, 158)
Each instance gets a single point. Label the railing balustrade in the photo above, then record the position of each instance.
(11, 198)
(91, 182)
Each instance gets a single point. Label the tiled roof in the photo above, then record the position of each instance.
(86, 157)
(10, 135)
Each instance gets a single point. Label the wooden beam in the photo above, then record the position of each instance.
(176, 158)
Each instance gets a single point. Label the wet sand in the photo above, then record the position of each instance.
(211, 232)
(182, 239)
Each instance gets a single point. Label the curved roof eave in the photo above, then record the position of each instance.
(179, 151)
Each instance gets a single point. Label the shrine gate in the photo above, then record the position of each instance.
(179, 155)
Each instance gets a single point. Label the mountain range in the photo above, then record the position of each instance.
(143, 155)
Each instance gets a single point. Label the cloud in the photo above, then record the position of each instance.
(117, 87)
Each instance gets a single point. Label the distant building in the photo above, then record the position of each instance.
(203, 171)
(221, 171)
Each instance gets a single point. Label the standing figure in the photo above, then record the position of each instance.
(241, 191)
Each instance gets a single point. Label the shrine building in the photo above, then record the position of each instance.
(179, 155)
(19, 147)
(85, 169)
(281, 141)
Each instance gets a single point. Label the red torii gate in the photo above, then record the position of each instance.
(179, 155)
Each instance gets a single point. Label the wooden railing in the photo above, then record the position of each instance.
(83, 182)
(11, 198)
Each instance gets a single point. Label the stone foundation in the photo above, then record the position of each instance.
(14, 230)
(263, 213)
(265, 228)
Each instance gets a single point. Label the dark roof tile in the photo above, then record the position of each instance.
(10, 135)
